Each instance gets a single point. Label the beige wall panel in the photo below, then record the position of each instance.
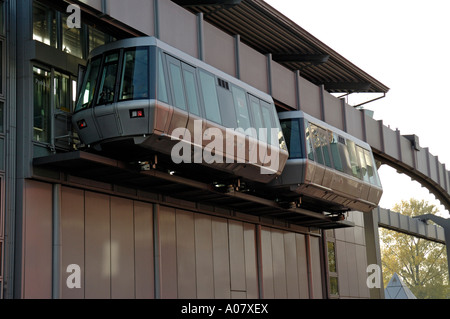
(97, 246)
(219, 49)
(352, 270)
(361, 261)
(251, 269)
(143, 246)
(37, 244)
(292, 279)
(237, 258)
(316, 269)
(122, 248)
(279, 264)
(354, 120)
(72, 237)
(302, 266)
(253, 68)
(186, 262)
(140, 15)
(167, 252)
(333, 110)
(342, 268)
(266, 264)
(283, 85)
(204, 256)
(221, 258)
(309, 98)
(178, 27)
(373, 132)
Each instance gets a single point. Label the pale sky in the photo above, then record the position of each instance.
(404, 44)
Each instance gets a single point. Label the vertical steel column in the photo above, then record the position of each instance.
(156, 17)
(200, 36)
(237, 43)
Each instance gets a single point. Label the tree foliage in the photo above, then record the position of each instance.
(421, 264)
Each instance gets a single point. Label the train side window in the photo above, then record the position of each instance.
(256, 114)
(108, 79)
(190, 83)
(362, 161)
(309, 142)
(268, 123)
(291, 132)
(135, 77)
(88, 88)
(210, 99)
(371, 169)
(162, 87)
(240, 104)
(355, 168)
(335, 154)
(176, 81)
(325, 148)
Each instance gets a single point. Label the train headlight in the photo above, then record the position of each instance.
(81, 124)
(136, 113)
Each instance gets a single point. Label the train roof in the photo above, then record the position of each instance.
(153, 41)
(311, 119)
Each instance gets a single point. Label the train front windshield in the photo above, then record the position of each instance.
(114, 77)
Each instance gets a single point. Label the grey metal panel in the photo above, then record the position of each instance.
(185, 249)
(97, 246)
(167, 253)
(251, 269)
(407, 153)
(221, 258)
(373, 129)
(237, 257)
(173, 19)
(279, 264)
(266, 264)
(144, 252)
(342, 268)
(122, 249)
(97, 4)
(219, 49)
(390, 143)
(140, 15)
(309, 98)
(253, 68)
(361, 260)
(302, 265)
(283, 84)
(316, 269)
(204, 256)
(292, 276)
(352, 269)
(354, 122)
(72, 236)
(333, 111)
(37, 244)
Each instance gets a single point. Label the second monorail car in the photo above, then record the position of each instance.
(142, 94)
(327, 166)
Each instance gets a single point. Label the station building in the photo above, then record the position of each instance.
(152, 234)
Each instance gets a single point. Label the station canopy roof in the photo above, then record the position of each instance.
(267, 30)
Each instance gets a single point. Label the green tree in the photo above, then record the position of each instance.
(421, 264)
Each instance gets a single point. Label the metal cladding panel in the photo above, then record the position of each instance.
(433, 167)
(237, 256)
(178, 27)
(373, 133)
(267, 264)
(302, 265)
(204, 256)
(251, 269)
(361, 261)
(143, 247)
(333, 111)
(72, 236)
(283, 84)
(253, 68)
(37, 241)
(309, 98)
(390, 143)
(97, 246)
(139, 15)
(422, 161)
(221, 261)
(122, 249)
(316, 268)
(354, 122)
(220, 49)
(407, 152)
(279, 265)
(97, 4)
(342, 269)
(185, 249)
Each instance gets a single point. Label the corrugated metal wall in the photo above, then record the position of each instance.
(195, 255)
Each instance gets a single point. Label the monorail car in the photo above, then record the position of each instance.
(327, 166)
(137, 92)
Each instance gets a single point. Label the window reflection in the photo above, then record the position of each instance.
(135, 78)
(44, 25)
(41, 122)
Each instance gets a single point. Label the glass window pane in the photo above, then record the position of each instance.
(44, 24)
(355, 168)
(2, 128)
(317, 143)
(96, 38)
(108, 79)
(88, 88)
(162, 87)
(72, 39)
(371, 169)
(331, 256)
(135, 77)
(256, 114)
(362, 161)
(267, 119)
(61, 92)
(291, 132)
(177, 85)
(210, 99)
(309, 141)
(240, 104)
(190, 84)
(335, 152)
(41, 93)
